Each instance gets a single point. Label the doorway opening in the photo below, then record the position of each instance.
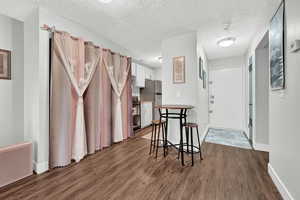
(259, 95)
(227, 100)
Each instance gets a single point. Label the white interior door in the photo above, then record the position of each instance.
(226, 98)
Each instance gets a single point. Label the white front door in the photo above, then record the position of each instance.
(226, 98)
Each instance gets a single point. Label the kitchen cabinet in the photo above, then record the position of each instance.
(141, 73)
(133, 69)
(140, 76)
(148, 73)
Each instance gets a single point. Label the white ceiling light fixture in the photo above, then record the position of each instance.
(105, 1)
(226, 42)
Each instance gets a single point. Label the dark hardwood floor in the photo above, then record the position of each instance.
(126, 171)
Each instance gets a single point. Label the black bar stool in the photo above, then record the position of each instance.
(154, 144)
(190, 146)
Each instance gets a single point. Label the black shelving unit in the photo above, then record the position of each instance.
(136, 113)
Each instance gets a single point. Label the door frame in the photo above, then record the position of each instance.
(251, 69)
(255, 144)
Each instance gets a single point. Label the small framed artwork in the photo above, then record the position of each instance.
(5, 64)
(276, 34)
(179, 70)
(204, 79)
(200, 68)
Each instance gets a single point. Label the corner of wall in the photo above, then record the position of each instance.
(31, 58)
(286, 195)
(40, 167)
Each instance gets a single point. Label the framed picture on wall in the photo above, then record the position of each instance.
(277, 64)
(5, 64)
(200, 68)
(179, 70)
(204, 79)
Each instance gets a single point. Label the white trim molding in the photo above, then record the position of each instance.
(286, 195)
(41, 167)
(202, 137)
(261, 147)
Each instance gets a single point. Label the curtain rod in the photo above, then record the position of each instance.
(52, 29)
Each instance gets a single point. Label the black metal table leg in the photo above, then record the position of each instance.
(192, 145)
(166, 131)
(160, 120)
(151, 142)
(158, 139)
(187, 130)
(181, 137)
(154, 140)
(187, 139)
(201, 158)
(163, 137)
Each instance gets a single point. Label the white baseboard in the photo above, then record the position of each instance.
(41, 167)
(279, 184)
(261, 147)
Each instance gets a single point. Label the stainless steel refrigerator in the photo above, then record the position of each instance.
(152, 92)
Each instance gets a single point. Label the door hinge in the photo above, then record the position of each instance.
(250, 123)
(250, 68)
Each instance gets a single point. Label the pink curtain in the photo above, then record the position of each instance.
(74, 65)
(63, 100)
(126, 100)
(97, 102)
(105, 108)
(90, 103)
(118, 68)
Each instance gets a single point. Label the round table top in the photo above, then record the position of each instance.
(174, 106)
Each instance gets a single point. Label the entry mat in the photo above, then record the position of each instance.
(228, 137)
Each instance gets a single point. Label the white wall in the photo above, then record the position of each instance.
(225, 63)
(157, 73)
(261, 132)
(31, 84)
(284, 112)
(202, 94)
(11, 91)
(231, 63)
(190, 93)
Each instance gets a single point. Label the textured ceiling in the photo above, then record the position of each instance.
(141, 25)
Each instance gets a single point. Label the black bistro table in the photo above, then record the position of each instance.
(174, 112)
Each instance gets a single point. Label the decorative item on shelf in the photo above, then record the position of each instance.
(200, 68)
(277, 63)
(5, 64)
(179, 70)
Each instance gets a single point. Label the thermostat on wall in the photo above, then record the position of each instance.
(295, 46)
